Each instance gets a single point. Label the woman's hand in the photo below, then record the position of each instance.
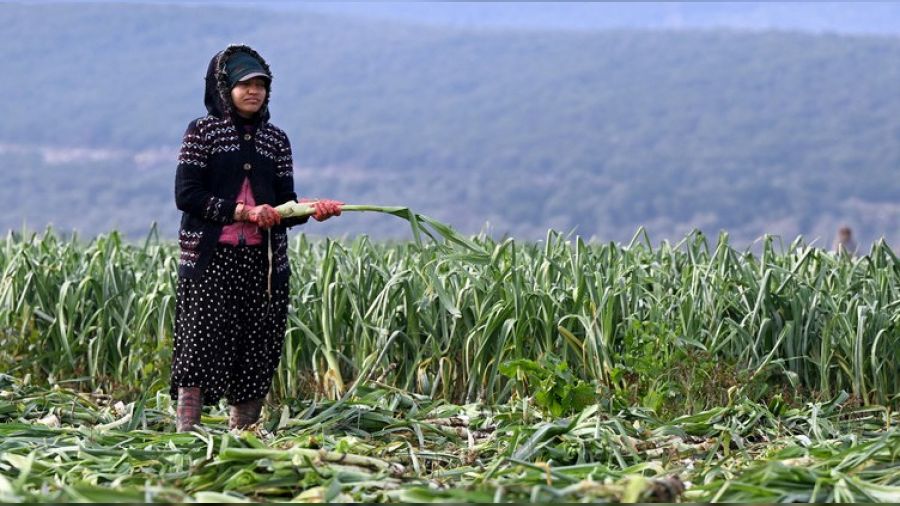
(325, 208)
(265, 216)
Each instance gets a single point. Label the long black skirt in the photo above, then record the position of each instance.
(228, 333)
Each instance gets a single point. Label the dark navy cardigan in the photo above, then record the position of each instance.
(217, 152)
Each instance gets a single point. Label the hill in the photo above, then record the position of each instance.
(596, 131)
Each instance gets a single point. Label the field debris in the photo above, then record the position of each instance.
(366, 451)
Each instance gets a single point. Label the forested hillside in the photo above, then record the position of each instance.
(599, 132)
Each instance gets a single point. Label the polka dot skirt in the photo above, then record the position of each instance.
(228, 336)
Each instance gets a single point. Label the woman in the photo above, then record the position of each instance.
(231, 307)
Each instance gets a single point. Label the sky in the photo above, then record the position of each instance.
(832, 17)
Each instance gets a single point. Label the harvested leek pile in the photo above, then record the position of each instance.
(387, 445)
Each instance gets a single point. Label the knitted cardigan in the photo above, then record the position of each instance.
(215, 158)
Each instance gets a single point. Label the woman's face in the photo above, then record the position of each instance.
(248, 96)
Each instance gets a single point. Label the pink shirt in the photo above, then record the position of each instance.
(231, 234)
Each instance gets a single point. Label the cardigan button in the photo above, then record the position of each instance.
(247, 137)
(247, 166)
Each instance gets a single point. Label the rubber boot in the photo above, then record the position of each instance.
(188, 410)
(244, 414)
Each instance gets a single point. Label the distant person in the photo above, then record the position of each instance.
(844, 243)
(232, 295)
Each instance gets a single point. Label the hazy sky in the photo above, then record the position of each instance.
(841, 17)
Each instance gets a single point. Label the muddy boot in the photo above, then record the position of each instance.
(244, 414)
(189, 407)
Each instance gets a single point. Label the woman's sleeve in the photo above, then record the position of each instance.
(191, 193)
(284, 182)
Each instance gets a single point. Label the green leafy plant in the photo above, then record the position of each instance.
(556, 390)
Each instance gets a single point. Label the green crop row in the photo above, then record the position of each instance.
(688, 323)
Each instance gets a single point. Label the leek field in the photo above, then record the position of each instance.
(467, 369)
